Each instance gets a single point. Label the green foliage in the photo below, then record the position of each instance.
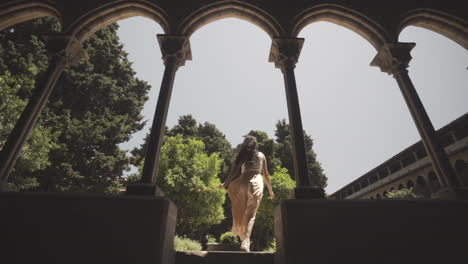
(94, 107)
(210, 239)
(285, 150)
(186, 244)
(272, 247)
(188, 176)
(229, 238)
(42, 140)
(403, 194)
(282, 184)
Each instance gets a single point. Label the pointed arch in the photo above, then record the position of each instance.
(351, 19)
(107, 14)
(16, 12)
(447, 25)
(226, 9)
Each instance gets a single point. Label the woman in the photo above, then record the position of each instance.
(245, 188)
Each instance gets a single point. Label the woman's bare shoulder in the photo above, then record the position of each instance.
(261, 155)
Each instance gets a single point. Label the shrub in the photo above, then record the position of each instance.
(210, 238)
(229, 238)
(403, 194)
(185, 244)
(272, 247)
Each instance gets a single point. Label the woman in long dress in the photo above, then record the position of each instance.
(245, 188)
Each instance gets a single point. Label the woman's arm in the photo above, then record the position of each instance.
(266, 176)
(232, 175)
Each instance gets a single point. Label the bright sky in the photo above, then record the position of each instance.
(355, 113)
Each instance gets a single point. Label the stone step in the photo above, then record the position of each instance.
(223, 257)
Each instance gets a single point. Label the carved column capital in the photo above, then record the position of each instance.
(285, 52)
(393, 58)
(64, 48)
(175, 49)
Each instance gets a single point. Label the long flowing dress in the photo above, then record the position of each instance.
(246, 193)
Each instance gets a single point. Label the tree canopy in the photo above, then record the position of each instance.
(94, 107)
(189, 177)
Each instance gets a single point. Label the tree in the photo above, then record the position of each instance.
(215, 142)
(22, 58)
(187, 126)
(35, 151)
(188, 176)
(95, 106)
(285, 150)
(262, 234)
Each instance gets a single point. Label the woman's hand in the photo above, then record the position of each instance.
(272, 195)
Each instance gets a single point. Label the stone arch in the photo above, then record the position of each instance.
(422, 187)
(447, 25)
(16, 12)
(410, 184)
(346, 17)
(226, 9)
(106, 14)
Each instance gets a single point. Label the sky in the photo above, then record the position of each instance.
(354, 112)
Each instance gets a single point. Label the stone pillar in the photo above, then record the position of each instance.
(63, 50)
(285, 54)
(394, 59)
(175, 51)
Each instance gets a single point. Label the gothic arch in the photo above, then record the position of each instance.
(447, 25)
(353, 20)
(225, 9)
(104, 15)
(16, 12)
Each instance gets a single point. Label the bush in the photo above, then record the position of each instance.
(185, 244)
(403, 194)
(229, 238)
(210, 239)
(272, 247)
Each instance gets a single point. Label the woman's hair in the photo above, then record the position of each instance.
(248, 150)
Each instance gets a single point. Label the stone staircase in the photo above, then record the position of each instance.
(223, 257)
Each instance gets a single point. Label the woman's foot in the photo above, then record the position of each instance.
(245, 245)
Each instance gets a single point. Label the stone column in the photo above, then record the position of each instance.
(175, 51)
(285, 54)
(394, 59)
(63, 50)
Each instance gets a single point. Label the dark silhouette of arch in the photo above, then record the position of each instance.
(17, 12)
(433, 182)
(107, 14)
(346, 17)
(420, 180)
(422, 187)
(225, 9)
(431, 176)
(447, 25)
